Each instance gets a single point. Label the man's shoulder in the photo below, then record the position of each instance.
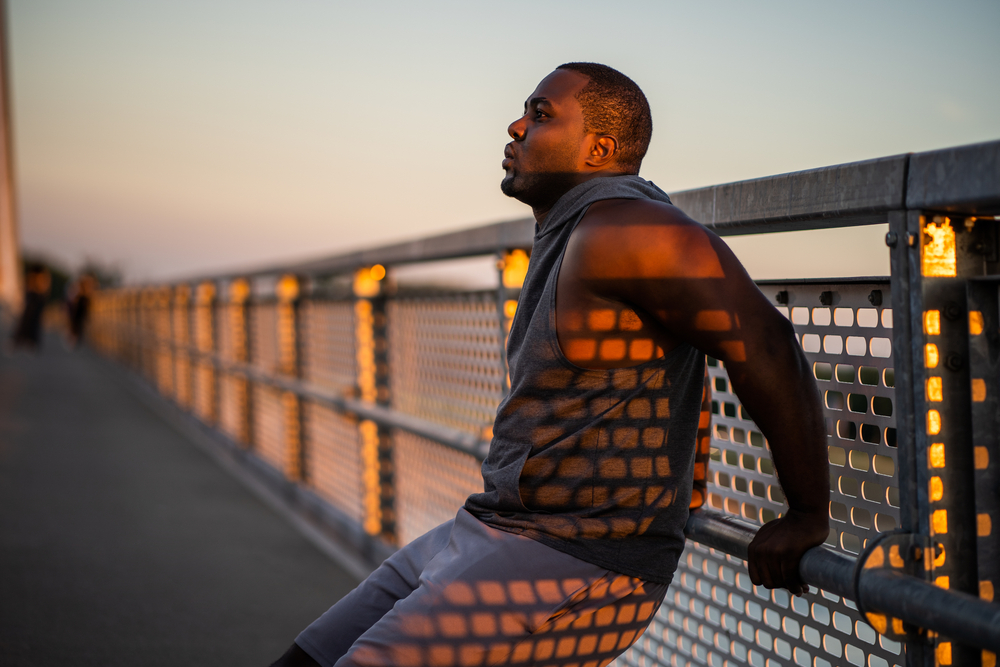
(637, 210)
(622, 218)
(639, 227)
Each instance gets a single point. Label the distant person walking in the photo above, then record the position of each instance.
(78, 305)
(37, 283)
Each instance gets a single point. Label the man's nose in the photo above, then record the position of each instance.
(516, 129)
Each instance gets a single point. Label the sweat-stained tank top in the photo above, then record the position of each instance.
(595, 463)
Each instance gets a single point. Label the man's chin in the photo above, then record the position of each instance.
(508, 187)
(523, 188)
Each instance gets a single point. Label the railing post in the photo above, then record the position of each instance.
(911, 452)
(512, 267)
(944, 254)
(181, 341)
(289, 362)
(239, 326)
(204, 342)
(373, 386)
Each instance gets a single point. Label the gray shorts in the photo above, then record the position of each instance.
(468, 595)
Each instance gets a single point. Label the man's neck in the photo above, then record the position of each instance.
(541, 210)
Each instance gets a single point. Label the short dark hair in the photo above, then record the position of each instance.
(613, 104)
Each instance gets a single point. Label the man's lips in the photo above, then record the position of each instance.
(508, 154)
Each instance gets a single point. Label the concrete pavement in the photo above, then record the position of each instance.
(122, 543)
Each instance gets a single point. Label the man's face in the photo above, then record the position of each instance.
(548, 149)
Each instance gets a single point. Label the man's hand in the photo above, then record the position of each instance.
(774, 554)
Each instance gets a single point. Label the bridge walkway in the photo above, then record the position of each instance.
(122, 543)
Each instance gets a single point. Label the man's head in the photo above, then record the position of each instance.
(583, 120)
(614, 105)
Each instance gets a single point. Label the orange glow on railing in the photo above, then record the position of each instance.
(370, 477)
(981, 458)
(367, 281)
(978, 390)
(984, 525)
(975, 322)
(938, 250)
(287, 288)
(986, 593)
(943, 651)
(205, 293)
(939, 522)
(515, 268)
(935, 455)
(930, 355)
(239, 291)
(933, 422)
(935, 389)
(936, 489)
(932, 322)
(365, 341)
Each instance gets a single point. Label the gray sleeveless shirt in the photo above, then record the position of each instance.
(595, 463)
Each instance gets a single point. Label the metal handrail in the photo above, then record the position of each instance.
(958, 615)
(844, 195)
(963, 617)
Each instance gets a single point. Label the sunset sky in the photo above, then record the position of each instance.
(183, 137)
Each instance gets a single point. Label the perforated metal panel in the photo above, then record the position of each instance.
(432, 483)
(712, 614)
(445, 358)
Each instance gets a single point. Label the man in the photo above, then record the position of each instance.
(568, 552)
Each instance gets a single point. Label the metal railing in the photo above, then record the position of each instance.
(374, 405)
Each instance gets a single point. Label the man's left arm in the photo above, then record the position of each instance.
(685, 277)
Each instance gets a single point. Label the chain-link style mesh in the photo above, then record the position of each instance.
(333, 459)
(432, 482)
(264, 353)
(445, 358)
(268, 426)
(328, 343)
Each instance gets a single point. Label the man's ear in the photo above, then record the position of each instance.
(603, 150)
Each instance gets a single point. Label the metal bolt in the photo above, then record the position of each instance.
(953, 362)
(891, 239)
(875, 298)
(952, 311)
(782, 297)
(826, 298)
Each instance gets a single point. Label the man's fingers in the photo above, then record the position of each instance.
(752, 563)
(757, 554)
(789, 574)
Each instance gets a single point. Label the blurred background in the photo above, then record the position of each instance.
(167, 141)
(162, 140)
